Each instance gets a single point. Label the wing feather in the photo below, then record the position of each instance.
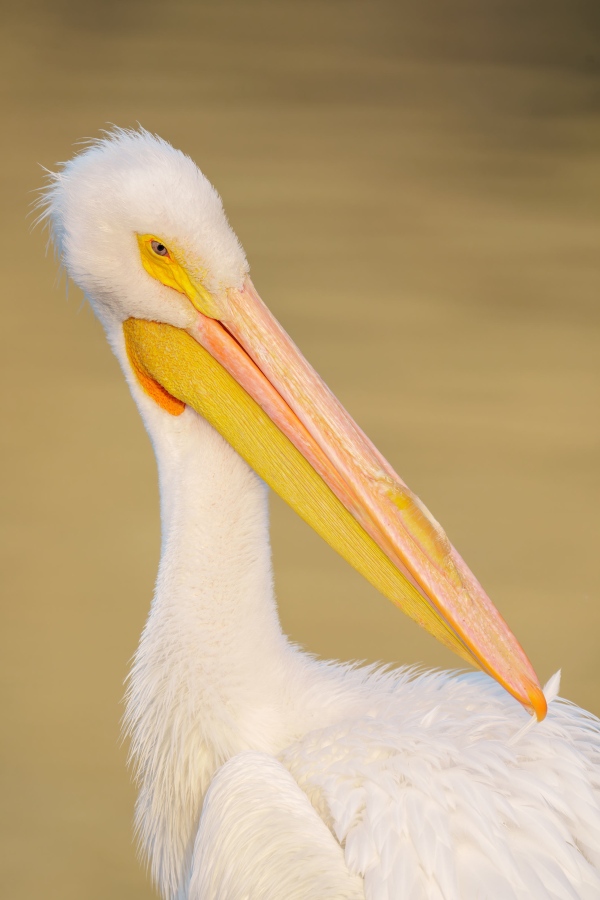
(460, 802)
(260, 839)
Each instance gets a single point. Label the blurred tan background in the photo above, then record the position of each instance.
(417, 186)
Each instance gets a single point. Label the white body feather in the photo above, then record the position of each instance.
(264, 773)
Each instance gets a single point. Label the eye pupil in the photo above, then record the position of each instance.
(159, 248)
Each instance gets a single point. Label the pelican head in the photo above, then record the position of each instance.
(126, 186)
(141, 230)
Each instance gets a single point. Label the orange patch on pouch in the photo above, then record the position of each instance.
(155, 390)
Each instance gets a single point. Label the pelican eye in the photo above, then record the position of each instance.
(159, 248)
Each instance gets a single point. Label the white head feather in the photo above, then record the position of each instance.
(128, 183)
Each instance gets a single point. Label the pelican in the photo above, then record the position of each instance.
(265, 773)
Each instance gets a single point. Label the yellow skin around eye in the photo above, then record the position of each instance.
(171, 273)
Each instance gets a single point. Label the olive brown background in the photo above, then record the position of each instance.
(417, 187)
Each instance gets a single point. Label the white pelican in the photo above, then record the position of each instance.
(264, 773)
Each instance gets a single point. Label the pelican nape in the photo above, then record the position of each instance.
(265, 773)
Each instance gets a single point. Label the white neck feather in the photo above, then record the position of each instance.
(206, 682)
(213, 674)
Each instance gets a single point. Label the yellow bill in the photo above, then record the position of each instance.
(236, 367)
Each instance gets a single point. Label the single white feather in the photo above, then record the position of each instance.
(264, 773)
(551, 689)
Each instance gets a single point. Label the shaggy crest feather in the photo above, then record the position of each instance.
(262, 771)
(133, 182)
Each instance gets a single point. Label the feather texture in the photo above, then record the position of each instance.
(301, 860)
